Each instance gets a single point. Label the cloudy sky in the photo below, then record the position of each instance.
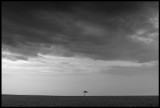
(64, 48)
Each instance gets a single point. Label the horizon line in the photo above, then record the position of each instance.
(73, 95)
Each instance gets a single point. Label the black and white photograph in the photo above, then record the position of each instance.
(80, 53)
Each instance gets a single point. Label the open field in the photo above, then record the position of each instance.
(79, 101)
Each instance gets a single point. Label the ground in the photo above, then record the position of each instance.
(79, 101)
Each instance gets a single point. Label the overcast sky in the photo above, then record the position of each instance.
(64, 48)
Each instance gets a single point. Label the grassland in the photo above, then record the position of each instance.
(79, 101)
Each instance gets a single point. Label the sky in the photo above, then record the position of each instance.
(65, 48)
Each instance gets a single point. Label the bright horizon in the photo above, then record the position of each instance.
(65, 48)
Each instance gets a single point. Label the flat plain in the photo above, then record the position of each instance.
(79, 101)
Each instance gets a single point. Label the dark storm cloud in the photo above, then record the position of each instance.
(99, 30)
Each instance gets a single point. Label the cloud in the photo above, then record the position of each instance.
(50, 65)
(154, 20)
(146, 36)
(97, 30)
(14, 58)
(150, 68)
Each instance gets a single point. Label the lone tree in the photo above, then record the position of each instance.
(85, 92)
